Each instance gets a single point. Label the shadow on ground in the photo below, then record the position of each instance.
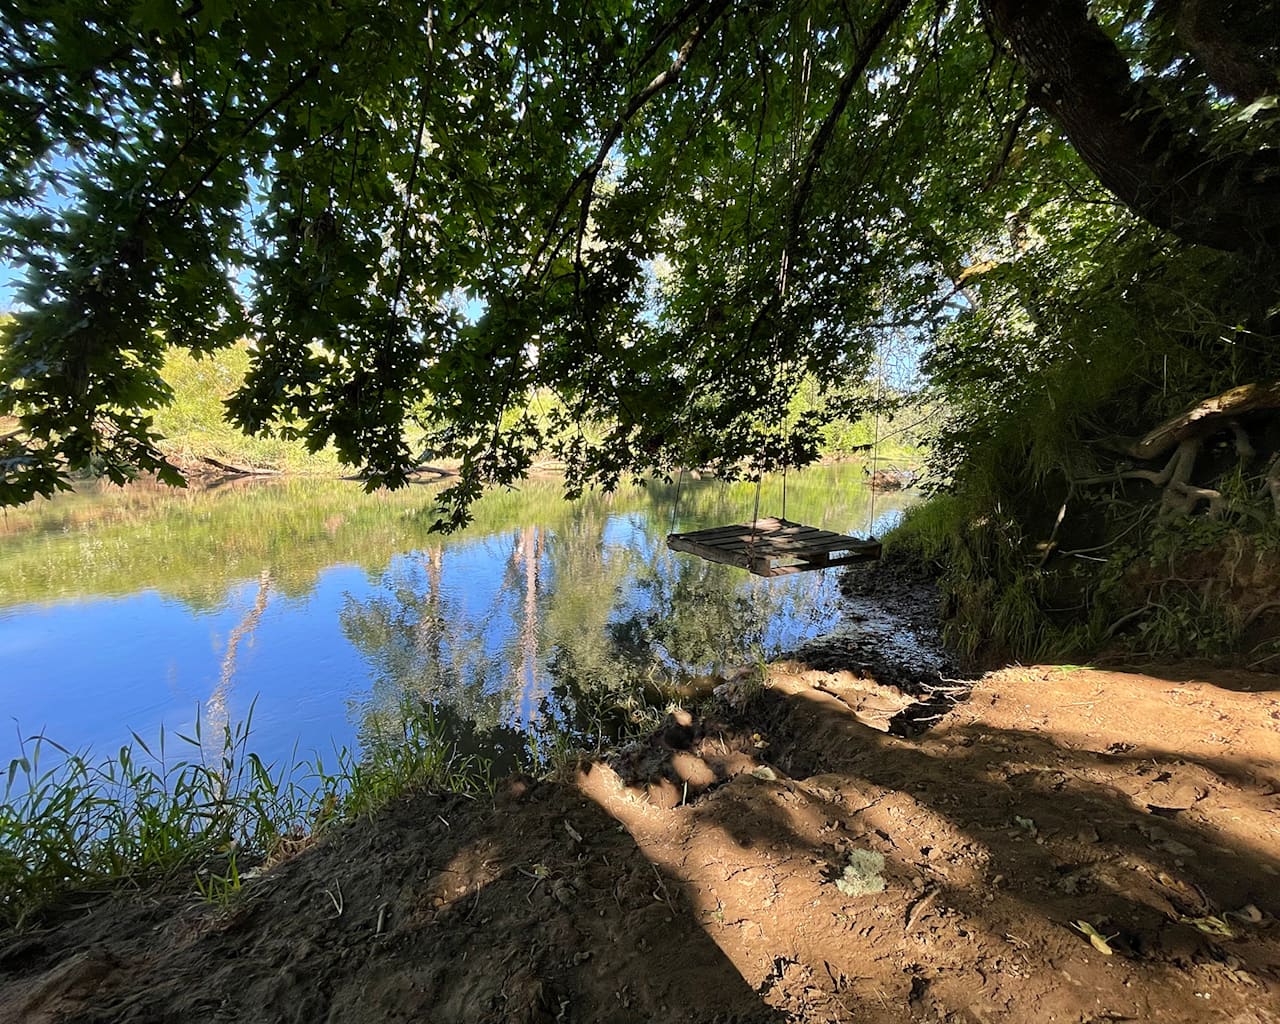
(784, 862)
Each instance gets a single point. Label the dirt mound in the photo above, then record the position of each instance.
(791, 861)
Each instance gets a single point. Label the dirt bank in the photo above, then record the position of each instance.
(784, 861)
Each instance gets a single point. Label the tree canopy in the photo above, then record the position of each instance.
(666, 213)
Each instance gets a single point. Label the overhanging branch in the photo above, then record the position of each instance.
(1129, 138)
(586, 180)
(826, 131)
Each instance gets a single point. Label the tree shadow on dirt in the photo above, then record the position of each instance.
(545, 905)
(536, 908)
(1000, 840)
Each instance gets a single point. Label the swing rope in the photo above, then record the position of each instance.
(675, 505)
(875, 455)
(799, 100)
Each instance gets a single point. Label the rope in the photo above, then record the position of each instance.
(784, 261)
(875, 458)
(675, 505)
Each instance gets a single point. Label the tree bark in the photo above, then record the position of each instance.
(1130, 140)
(1206, 417)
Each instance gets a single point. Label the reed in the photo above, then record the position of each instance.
(73, 824)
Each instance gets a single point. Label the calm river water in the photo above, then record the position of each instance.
(323, 608)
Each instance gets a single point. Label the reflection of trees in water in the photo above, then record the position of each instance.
(425, 646)
(587, 624)
(668, 621)
(420, 644)
(216, 712)
(198, 545)
(526, 558)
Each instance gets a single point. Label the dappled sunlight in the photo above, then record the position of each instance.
(797, 863)
(1001, 848)
(465, 874)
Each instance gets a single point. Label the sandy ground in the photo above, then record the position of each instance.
(784, 860)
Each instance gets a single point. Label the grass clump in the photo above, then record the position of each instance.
(70, 823)
(417, 754)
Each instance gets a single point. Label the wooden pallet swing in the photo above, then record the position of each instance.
(774, 547)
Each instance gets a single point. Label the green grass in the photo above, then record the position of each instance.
(193, 424)
(994, 590)
(72, 824)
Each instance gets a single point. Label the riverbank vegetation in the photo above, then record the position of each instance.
(193, 423)
(1058, 531)
(192, 426)
(75, 823)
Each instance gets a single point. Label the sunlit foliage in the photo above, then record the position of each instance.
(670, 214)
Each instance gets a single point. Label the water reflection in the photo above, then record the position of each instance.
(131, 609)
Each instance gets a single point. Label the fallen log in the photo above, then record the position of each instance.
(237, 470)
(435, 472)
(1208, 417)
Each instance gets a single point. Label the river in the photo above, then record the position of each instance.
(320, 609)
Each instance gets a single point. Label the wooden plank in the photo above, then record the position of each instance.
(826, 546)
(825, 542)
(761, 527)
(719, 531)
(790, 570)
(738, 559)
(677, 543)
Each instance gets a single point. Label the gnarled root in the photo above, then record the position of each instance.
(1272, 482)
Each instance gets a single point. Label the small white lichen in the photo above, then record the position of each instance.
(862, 876)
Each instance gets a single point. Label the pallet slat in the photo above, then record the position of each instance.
(761, 547)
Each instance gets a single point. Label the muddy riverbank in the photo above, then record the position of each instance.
(1054, 844)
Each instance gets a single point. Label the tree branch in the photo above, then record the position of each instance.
(826, 131)
(587, 177)
(1128, 137)
(1231, 41)
(660, 82)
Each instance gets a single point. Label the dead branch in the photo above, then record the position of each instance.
(1258, 612)
(1180, 498)
(1206, 418)
(237, 470)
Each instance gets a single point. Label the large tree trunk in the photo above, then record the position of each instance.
(1135, 145)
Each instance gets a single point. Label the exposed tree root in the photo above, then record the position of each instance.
(1208, 417)
(1189, 431)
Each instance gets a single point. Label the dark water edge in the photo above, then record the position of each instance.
(889, 629)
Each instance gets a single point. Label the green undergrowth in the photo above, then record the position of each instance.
(1051, 537)
(1144, 587)
(194, 426)
(72, 823)
(993, 602)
